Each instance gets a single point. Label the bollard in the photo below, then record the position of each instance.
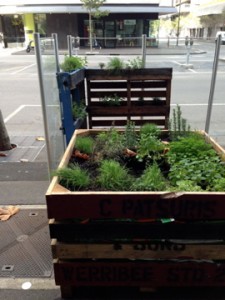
(188, 43)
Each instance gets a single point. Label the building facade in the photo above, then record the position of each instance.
(125, 20)
(209, 16)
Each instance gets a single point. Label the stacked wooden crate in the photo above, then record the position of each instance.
(142, 239)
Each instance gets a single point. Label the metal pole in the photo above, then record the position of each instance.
(43, 100)
(178, 25)
(56, 48)
(188, 54)
(213, 80)
(69, 45)
(143, 50)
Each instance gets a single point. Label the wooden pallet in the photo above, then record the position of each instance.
(131, 86)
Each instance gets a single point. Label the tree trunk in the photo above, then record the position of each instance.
(4, 138)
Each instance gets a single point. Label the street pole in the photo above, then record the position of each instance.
(213, 81)
(143, 50)
(178, 26)
(69, 45)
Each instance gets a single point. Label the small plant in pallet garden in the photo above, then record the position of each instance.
(135, 63)
(72, 63)
(115, 65)
(79, 110)
(113, 100)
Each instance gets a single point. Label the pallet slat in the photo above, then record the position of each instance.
(140, 273)
(104, 231)
(138, 250)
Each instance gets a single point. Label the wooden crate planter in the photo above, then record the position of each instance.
(131, 85)
(145, 252)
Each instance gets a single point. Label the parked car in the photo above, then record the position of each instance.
(222, 33)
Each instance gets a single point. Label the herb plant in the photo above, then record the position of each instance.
(84, 144)
(72, 63)
(113, 176)
(78, 110)
(73, 177)
(151, 180)
(135, 63)
(149, 144)
(114, 100)
(109, 144)
(115, 64)
(177, 124)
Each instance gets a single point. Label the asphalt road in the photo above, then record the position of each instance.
(21, 103)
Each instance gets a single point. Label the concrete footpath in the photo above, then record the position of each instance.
(26, 270)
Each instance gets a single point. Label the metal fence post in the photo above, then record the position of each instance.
(69, 45)
(143, 50)
(56, 48)
(43, 100)
(213, 81)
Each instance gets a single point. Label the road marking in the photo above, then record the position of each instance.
(27, 67)
(17, 111)
(192, 70)
(41, 148)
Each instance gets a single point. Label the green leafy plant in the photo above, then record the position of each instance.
(219, 185)
(115, 65)
(191, 158)
(113, 100)
(84, 144)
(186, 186)
(113, 176)
(150, 129)
(149, 145)
(151, 180)
(201, 171)
(192, 145)
(79, 110)
(135, 63)
(72, 63)
(73, 177)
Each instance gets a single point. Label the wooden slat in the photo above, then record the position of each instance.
(108, 123)
(140, 273)
(140, 74)
(122, 84)
(110, 231)
(133, 94)
(138, 250)
(150, 110)
(134, 205)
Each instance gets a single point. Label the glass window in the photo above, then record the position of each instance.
(40, 24)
